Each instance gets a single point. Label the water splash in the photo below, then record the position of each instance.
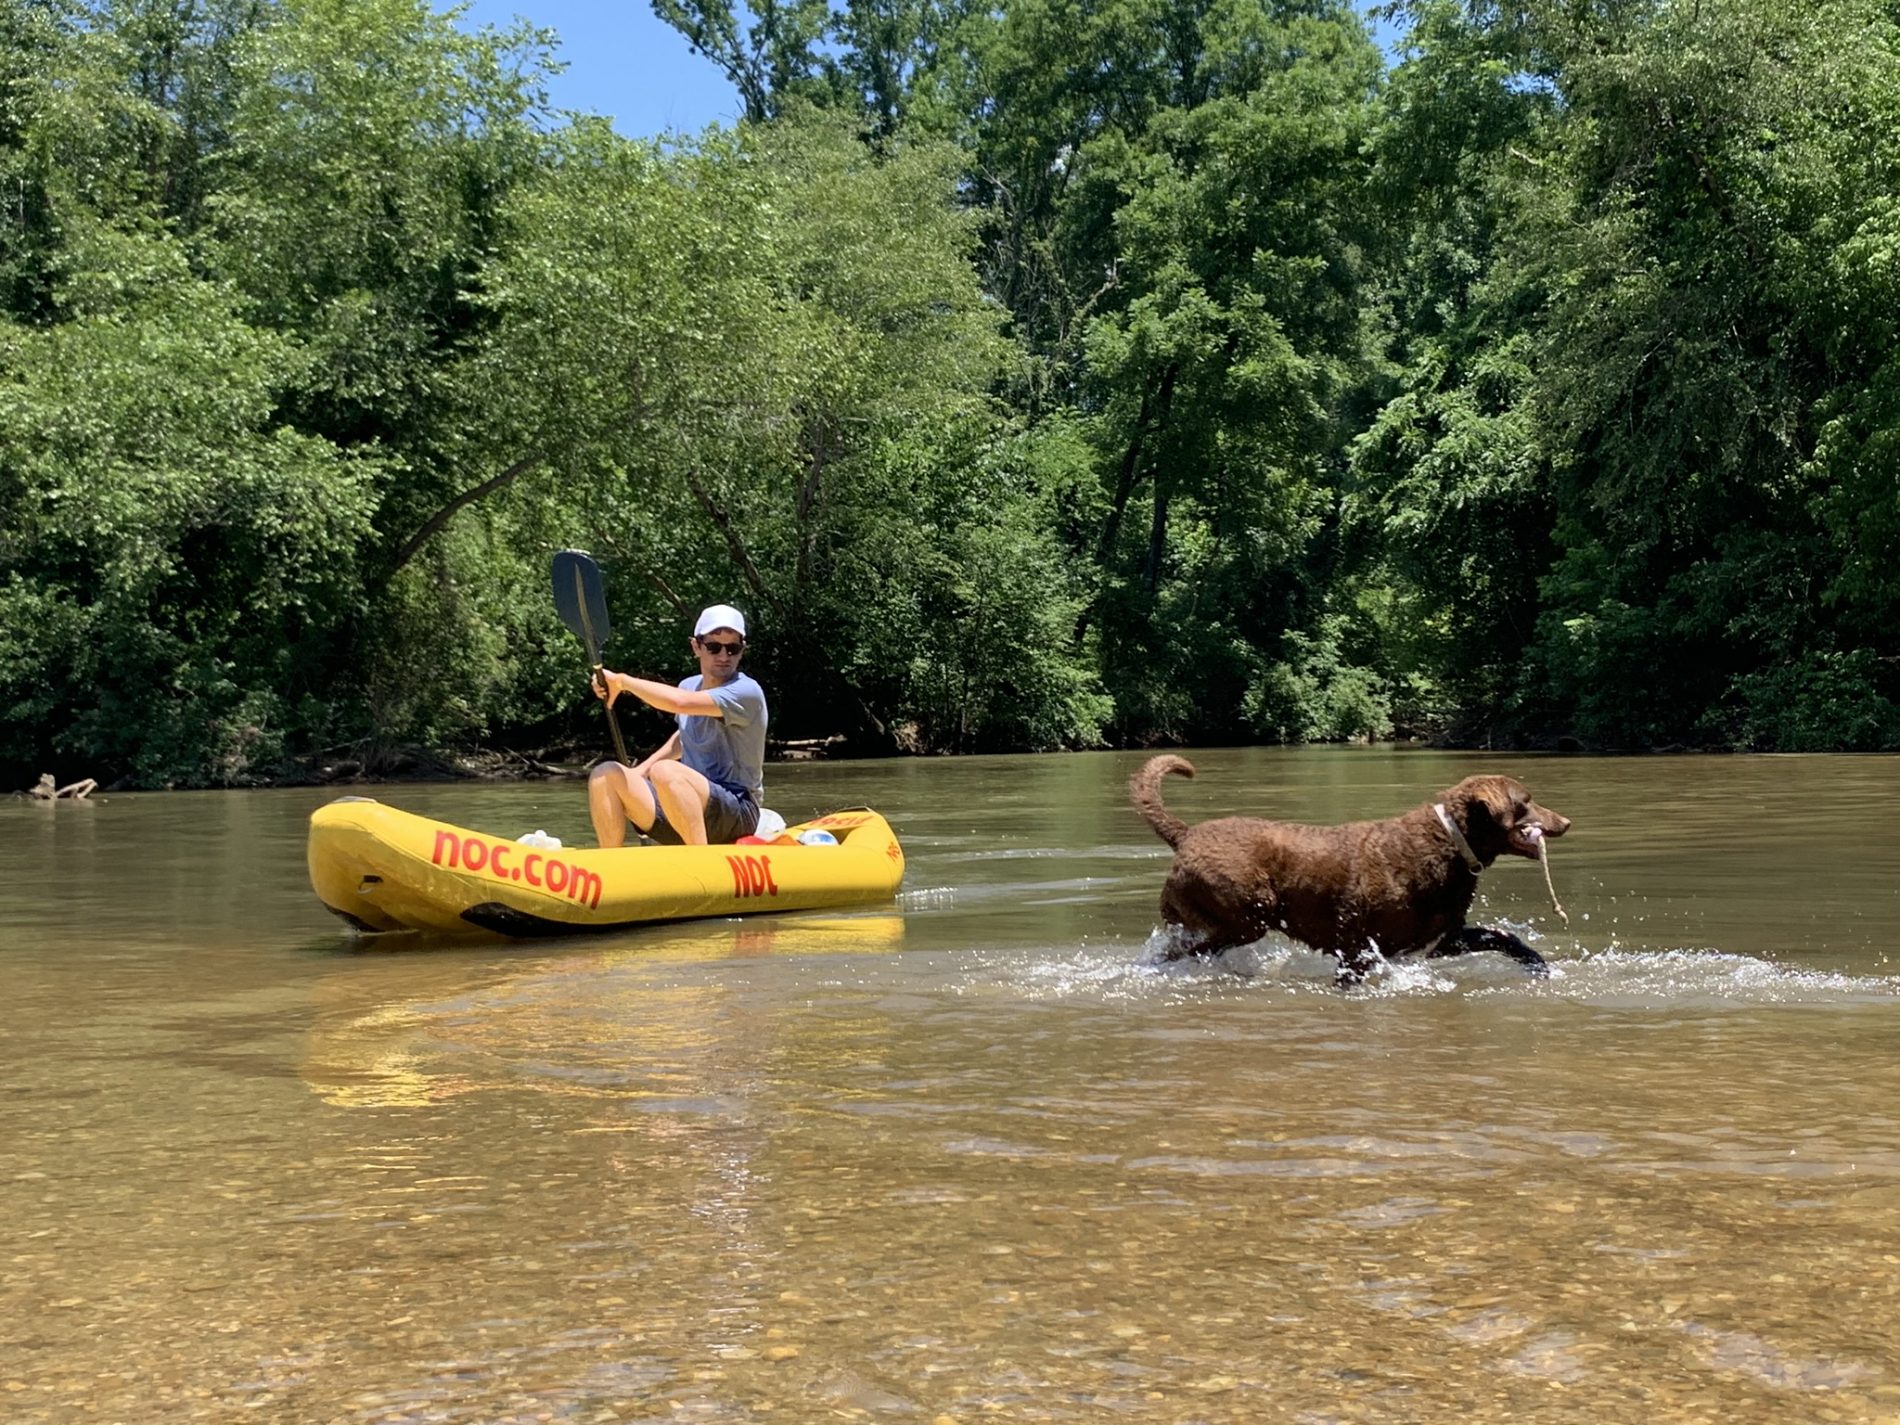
(1690, 977)
(1619, 977)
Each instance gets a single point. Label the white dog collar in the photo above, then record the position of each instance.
(1458, 838)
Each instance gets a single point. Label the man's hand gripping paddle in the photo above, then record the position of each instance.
(582, 603)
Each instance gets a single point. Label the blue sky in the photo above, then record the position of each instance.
(624, 62)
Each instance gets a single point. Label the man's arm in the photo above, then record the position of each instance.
(663, 696)
(667, 751)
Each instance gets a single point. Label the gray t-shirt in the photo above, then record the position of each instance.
(729, 749)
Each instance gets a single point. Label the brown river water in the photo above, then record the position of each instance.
(977, 1155)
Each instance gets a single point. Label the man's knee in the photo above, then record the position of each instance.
(672, 774)
(614, 784)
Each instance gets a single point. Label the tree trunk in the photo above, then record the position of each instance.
(1157, 536)
(735, 546)
(448, 512)
(1152, 420)
(807, 498)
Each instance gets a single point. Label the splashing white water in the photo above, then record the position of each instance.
(1615, 976)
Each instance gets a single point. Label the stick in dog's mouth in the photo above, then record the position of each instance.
(1543, 859)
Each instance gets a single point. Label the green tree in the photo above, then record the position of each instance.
(1221, 370)
(234, 270)
(1619, 490)
(174, 559)
(1448, 506)
(765, 357)
(1697, 335)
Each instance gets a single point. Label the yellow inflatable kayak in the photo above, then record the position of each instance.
(384, 869)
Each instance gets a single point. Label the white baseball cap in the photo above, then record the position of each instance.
(719, 616)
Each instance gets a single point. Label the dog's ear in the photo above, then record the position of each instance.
(1487, 808)
(1515, 799)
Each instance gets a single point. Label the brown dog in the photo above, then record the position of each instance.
(1358, 891)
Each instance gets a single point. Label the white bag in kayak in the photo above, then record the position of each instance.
(770, 824)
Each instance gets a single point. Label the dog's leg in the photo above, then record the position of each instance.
(1481, 937)
(1354, 966)
(1195, 932)
(1183, 943)
(1206, 945)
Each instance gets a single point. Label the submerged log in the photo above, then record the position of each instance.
(806, 749)
(47, 790)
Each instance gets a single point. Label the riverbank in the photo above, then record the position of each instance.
(571, 760)
(358, 762)
(507, 764)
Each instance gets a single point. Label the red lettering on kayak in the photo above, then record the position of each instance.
(583, 887)
(752, 876)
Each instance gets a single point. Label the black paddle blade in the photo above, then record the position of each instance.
(581, 600)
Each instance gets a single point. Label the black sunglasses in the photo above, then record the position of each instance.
(715, 647)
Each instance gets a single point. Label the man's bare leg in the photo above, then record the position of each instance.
(616, 796)
(683, 794)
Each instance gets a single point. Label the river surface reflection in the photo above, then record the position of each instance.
(977, 1154)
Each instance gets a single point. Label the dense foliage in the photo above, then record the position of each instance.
(1057, 374)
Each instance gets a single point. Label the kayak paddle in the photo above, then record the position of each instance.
(582, 604)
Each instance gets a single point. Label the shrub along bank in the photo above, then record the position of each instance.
(1066, 374)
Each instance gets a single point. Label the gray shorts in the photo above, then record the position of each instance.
(729, 815)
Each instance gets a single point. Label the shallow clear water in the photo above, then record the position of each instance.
(975, 1155)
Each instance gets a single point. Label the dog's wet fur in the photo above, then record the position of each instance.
(1362, 891)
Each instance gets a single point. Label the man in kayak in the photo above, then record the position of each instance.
(704, 783)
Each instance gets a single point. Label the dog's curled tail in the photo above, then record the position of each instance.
(1144, 789)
